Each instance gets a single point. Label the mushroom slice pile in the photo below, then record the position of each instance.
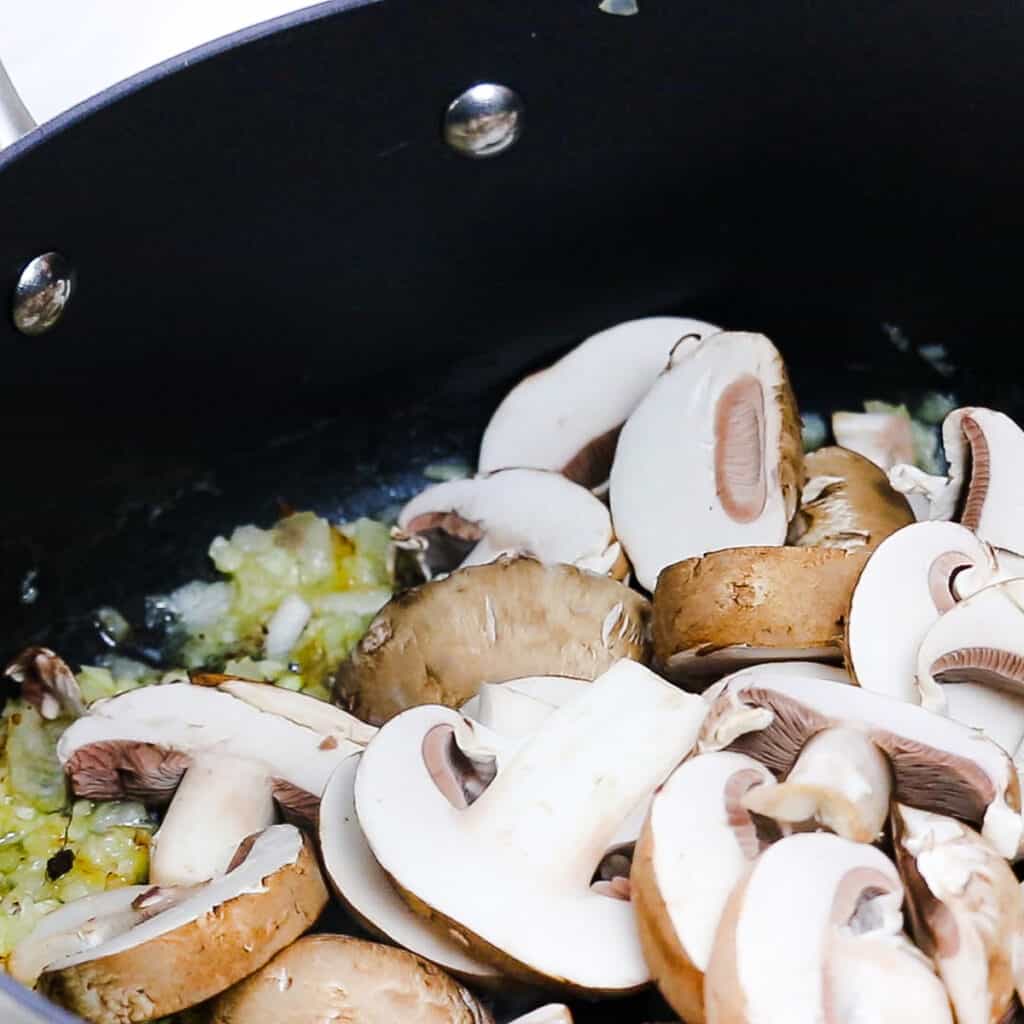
(515, 512)
(516, 709)
(965, 910)
(773, 716)
(815, 933)
(742, 606)
(515, 617)
(983, 491)
(519, 859)
(338, 978)
(364, 889)
(222, 760)
(911, 579)
(846, 502)
(883, 438)
(567, 417)
(697, 844)
(712, 457)
(970, 664)
(164, 953)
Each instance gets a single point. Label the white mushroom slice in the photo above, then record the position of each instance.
(771, 717)
(437, 643)
(364, 889)
(711, 458)
(815, 933)
(970, 665)
(567, 417)
(984, 449)
(742, 606)
(179, 952)
(881, 437)
(517, 708)
(230, 758)
(910, 580)
(965, 910)
(332, 979)
(840, 781)
(301, 709)
(697, 844)
(520, 859)
(516, 512)
(846, 502)
(930, 496)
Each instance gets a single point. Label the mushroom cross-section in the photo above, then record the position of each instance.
(970, 664)
(774, 717)
(814, 933)
(339, 978)
(567, 417)
(742, 606)
(216, 758)
(517, 708)
(514, 512)
(520, 858)
(123, 961)
(965, 910)
(697, 844)
(983, 490)
(846, 502)
(364, 889)
(515, 617)
(911, 579)
(712, 458)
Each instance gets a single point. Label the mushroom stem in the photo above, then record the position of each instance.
(841, 780)
(220, 801)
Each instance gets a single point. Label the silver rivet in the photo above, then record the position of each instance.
(42, 293)
(484, 121)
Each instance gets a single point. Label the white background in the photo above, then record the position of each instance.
(59, 52)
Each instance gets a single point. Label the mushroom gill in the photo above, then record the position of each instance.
(739, 449)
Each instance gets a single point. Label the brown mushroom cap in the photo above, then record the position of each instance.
(199, 959)
(847, 502)
(338, 978)
(435, 644)
(730, 608)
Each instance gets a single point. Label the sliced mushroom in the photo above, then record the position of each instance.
(551, 1013)
(222, 760)
(742, 606)
(515, 512)
(772, 716)
(913, 577)
(515, 617)
(521, 857)
(516, 709)
(697, 844)
(984, 449)
(318, 715)
(46, 683)
(159, 956)
(965, 910)
(712, 458)
(365, 890)
(841, 781)
(338, 978)
(815, 933)
(970, 665)
(567, 417)
(881, 437)
(847, 502)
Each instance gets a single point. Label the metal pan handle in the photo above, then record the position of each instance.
(15, 120)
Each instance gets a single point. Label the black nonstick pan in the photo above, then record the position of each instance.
(290, 287)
